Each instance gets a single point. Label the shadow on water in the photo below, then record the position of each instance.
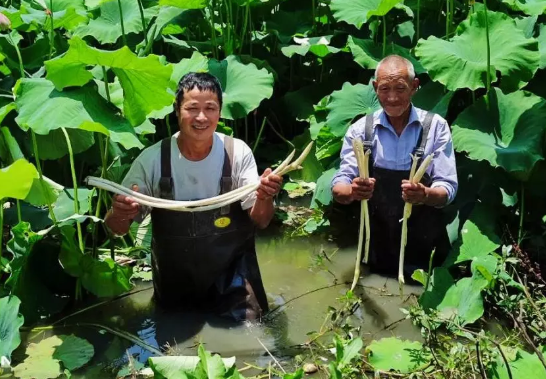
(299, 294)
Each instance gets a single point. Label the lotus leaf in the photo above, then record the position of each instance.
(349, 102)
(17, 179)
(74, 352)
(42, 109)
(10, 322)
(399, 355)
(507, 133)
(145, 81)
(367, 53)
(530, 7)
(244, 86)
(358, 12)
(40, 362)
(106, 28)
(462, 61)
(319, 46)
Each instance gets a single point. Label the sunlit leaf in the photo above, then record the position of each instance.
(358, 12)
(530, 7)
(10, 322)
(145, 81)
(17, 179)
(462, 61)
(74, 352)
(40, 362)
(184, 4)
(394, 354)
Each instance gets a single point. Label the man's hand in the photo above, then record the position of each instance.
(414, 193)
(270, 185)
(362, 189)
(124, 210)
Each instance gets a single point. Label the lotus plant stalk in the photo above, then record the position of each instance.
(362, 163)
(199, 205)
(41, 175)
(415, 177)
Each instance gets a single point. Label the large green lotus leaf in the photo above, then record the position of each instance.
(243, 86)
(349, 102)
(368, 54)
(399, 355)
(286, 25)
(20, 246)
(508, 134)
(319, 46)
(462, 61)
(530, 7)
(107, 28)
(17, 179)
(105, 278)
(74, 352)
(10, 322)
(52, 146)
(542, 45)
(432, 97)
(464, 300)
(358, 12)
(65, 15)
(525, 366)
(43, 109)
(323, 193)
(64, 206)
(145, 81)
(474, 243)
(197, 63)
(40, 362)
(180, 367)
(184, 4)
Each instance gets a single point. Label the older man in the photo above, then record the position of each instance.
(204, 260)
(392, 134)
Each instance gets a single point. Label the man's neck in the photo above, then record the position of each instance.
(399, 123)
(194, 150)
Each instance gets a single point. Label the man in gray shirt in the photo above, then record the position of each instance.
(204, 260)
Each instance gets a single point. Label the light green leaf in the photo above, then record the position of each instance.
(525, 366)
(463, 300)
(177, 367)
(107, 29)
(462, 61)
(542, 45)
(530, 7)
(66, 15)
(358, 12)
(394, 354)
(319, 46)
(349, 102)
(420, 276)
(81, 108)
(64, 206)
(197, 63)
(211, 365)
(351, 351)
(40, 362)
(323, 192)
(10, 322)
(368, 54)
(507, 134)
(74, 352)
(17, 179)
(184, 4)
(474, 243)
(105, 278)
(244, 86)
(145, 81)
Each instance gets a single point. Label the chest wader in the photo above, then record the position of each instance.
(206, 260)
(425, 226)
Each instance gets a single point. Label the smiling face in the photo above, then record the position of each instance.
(198, 115)
(394, 88)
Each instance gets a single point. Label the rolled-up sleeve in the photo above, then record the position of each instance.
(444, 170)
(347, 168)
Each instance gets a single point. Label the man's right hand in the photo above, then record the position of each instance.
(362, 189)
(359, 189)
(124, 210)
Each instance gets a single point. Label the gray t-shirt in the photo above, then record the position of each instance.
(193, 180)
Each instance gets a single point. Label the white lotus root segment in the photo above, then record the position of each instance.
(198, 205)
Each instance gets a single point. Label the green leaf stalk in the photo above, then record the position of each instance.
(42, 183)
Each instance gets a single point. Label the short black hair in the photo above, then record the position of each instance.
(203, 81)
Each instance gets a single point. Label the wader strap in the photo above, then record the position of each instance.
(166, 180)
(368, 132)
(227, 183)
(422, 141)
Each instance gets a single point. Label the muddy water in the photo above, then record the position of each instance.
(293, 282)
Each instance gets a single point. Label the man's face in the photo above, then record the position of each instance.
(394, 89)
(198, 114)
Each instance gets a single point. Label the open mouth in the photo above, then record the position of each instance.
(200, 127)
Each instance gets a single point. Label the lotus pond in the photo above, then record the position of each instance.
(85, 85)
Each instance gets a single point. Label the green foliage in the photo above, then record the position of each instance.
(10, 322)
(17, 179)
(359, 12)
(394, 354)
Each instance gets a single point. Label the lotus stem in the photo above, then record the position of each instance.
(75, 184)
(521, 215)
(106, 88)
(415, 177)
(418, 26)
(488, 73)
(362, 163)
(143, 20)
(41, 175)
(122, 25)
(198, 205)
(19, 57)
(19, 216)
(52, 30)
(1, 229)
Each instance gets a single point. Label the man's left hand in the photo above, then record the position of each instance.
(270, 185)
(414, 193)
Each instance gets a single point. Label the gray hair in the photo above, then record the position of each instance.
(397, 59)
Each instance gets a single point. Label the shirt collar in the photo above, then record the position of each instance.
(384, 121)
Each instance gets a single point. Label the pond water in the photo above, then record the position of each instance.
(303, 292)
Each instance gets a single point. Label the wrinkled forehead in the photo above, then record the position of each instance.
(198, 96)
(390, 74)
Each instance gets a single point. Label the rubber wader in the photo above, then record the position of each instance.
(206, 260)
(425, 226)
